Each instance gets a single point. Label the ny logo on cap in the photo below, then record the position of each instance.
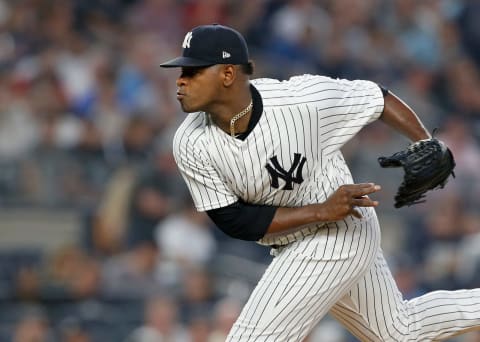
(186, 40)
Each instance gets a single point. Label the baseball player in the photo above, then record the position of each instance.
(262, 158)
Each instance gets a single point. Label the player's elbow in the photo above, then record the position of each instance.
(243, 221)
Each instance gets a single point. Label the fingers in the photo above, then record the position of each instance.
(358, 194)
(348, 199)
(361, 189)
(364, 201)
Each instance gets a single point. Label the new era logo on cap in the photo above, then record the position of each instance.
(211, 44)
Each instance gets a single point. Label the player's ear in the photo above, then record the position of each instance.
(229, 73)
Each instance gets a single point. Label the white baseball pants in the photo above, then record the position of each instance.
(342, 270)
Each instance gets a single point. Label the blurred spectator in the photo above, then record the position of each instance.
(18, 122)
(197, 292)
(76, 336)
(158, 16)
(416, 89)
(106, 113)
(44, 174)
(157, 192)
(294, 27)
(138, 140)
(328, 331)
(199, 327)
(467, 271)
(438, 239)
(131, 274)
(462, 82)
(106, 228)
(199, 12)
(225, 313)
(469, 27)
(186, 236)
(71, 274)
(407, 276)
(90, 169)
(32, 327)
(71, 330)
(27, 284)
(457, 134)
(161, 323)
(136, 75)
(417, 27)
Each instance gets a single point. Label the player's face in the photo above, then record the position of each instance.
(197, 88)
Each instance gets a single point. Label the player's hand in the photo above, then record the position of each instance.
(347, 198)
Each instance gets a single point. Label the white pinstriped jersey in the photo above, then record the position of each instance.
(305, 122)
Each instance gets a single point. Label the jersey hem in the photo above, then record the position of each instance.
(215, 205)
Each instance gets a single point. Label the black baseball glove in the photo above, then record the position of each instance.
(427, 164)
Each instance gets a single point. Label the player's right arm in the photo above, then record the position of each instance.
(341, 203)
(252, 222)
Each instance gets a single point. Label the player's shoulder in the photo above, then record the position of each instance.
(193, 122)
(292, 85)
(297, 90)
(308, 86)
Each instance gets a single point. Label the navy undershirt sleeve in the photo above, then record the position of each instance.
(242, 220)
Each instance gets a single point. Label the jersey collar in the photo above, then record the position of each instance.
(256, 112)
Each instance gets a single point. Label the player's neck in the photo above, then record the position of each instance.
(242, 108)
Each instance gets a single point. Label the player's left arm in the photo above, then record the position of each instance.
(399, 116)
(427, 162)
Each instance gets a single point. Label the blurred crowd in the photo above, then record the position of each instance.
(86, 123)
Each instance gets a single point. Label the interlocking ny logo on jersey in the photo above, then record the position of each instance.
(186, 40)
(276, 171)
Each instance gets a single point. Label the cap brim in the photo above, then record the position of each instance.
(184, 62)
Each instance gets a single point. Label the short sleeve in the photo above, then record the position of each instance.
(343, 107)
(360, 104)
(206, 187)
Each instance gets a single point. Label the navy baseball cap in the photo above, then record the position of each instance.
(211, 44)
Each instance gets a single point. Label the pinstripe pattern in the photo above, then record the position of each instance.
(374, 310)
(304, 281)
(310, 115)
(336, 267)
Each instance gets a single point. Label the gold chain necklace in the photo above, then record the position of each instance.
(238, 116)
